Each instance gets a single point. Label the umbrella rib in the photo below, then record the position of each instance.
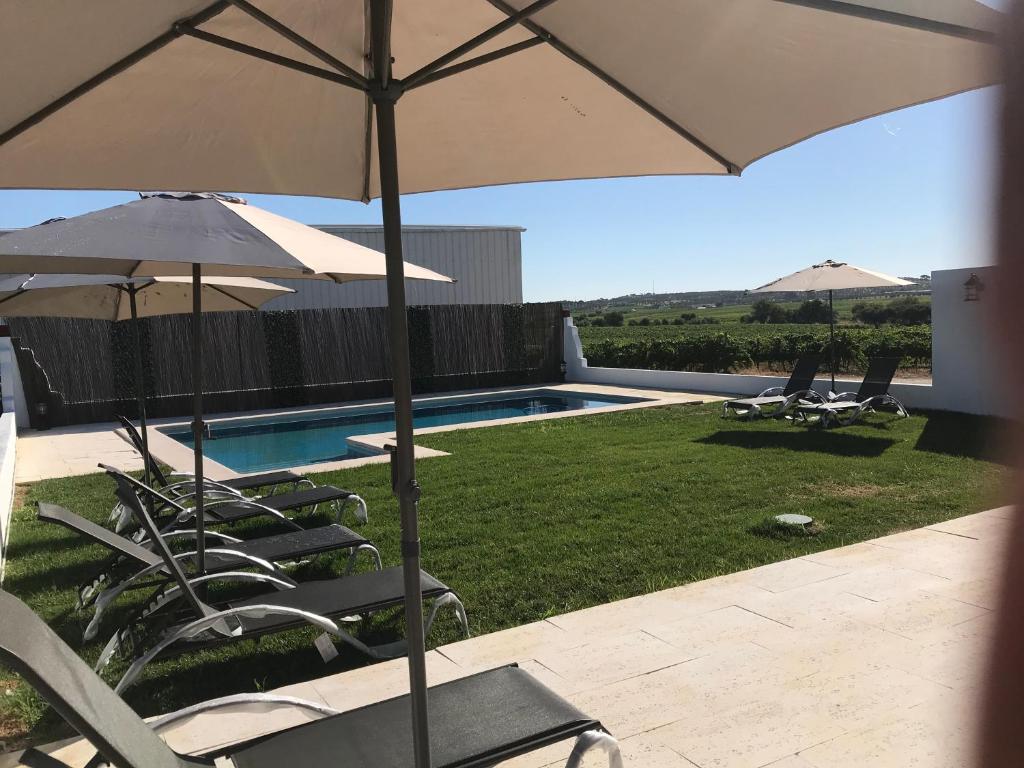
(486, 58)
(514, 18)
(730, 167)
(231, 296)
(367, 149)
(273, 58)
(896, 18)
(21, 291)
(293, 36)
(114, 69)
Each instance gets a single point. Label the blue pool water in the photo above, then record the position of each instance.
(278, 442)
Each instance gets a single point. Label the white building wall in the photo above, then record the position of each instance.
(965, 354)
(8, 440)
(487, 262)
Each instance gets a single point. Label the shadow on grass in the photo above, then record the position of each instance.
(770, 528)
(955, 434)
(836, 443)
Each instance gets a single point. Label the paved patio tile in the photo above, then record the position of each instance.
(790, 574)
(623, 616)
(358, 687)
(910, 741)
(806, 606)
(765, 728)
(979, 527)
(982, 592)
(510, 645)
(607, 660)
(792, 761)
(916, 613)
(702, 634)
(883, 582)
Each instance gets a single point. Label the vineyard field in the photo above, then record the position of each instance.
(733, 346)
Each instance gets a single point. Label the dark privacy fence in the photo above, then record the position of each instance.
(79, 371)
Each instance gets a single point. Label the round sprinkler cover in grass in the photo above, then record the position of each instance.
(801, 520)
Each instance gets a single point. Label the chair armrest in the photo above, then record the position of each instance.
(240, 698)
(199, 626)
(772, 391)
(843, 397)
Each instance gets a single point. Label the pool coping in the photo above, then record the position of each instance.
(178, 456)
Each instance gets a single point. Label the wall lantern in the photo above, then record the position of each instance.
(973, 288)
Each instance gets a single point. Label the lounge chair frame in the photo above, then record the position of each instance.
(783, 399)
(847, 408)
(213, 626)
(122, 738)
(179, 514)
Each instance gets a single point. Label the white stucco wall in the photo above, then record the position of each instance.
(577, 369)
(8, 440)
(965, 357)
(10, 383)
(965, 360)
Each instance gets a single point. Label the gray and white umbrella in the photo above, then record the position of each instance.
(113, 298)
(166, 234)
(831, 276)
(303, 98)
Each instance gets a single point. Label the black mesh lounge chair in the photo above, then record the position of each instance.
(269, 480)
(780, 399)
(233, 508)
(848, 407)
(478, 721)
(156, 632)
(134, 566)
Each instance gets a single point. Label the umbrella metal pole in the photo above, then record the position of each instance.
(403, 460)
(832, 340)
(406, 487)
(197, 413)
(140, 389)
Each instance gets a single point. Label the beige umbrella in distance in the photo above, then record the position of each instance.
(831, 276)
(109, 297)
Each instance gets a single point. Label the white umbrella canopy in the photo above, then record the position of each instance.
(107, 297)
(597, 88)
(167, 233)
(331, 93)
(831, 276)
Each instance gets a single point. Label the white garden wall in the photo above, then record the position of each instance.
(965, 354)
(8, 439)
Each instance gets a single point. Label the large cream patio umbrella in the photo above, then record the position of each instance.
(831, 276)
(300, 98)
(108, 297)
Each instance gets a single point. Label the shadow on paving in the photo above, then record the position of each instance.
(957, 434)
(833, 442)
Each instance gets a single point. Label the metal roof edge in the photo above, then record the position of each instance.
(420, 227)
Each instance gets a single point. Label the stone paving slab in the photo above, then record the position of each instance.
(868, 655)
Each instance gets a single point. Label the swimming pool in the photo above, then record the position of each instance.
(295, 440)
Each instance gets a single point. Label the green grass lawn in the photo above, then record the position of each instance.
(533, 520)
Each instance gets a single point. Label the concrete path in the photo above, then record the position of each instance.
(868, 655)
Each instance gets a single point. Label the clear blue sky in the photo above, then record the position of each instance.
(906, 193)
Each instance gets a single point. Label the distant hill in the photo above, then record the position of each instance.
(694, 299)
